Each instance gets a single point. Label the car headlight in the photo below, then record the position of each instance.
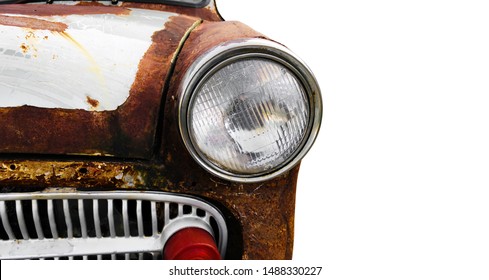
(249, 110)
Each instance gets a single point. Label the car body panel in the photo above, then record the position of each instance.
(112, 106)
(207, 13)
(104, 49)
(50, 148)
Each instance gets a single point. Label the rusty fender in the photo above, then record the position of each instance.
(265, 211)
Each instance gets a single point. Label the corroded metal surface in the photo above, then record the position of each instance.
(265, 210)
(206, 13)
(127, 131)
(61, 10)
(67, 59)
(32, 23)
(261, 214)
(71, 174)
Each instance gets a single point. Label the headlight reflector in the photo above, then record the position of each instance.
(249, 116)
(249, 110)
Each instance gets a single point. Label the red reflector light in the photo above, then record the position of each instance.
(191, 244)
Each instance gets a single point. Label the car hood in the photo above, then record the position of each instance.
(85, 80)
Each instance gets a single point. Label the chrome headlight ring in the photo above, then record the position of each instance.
(234, 52)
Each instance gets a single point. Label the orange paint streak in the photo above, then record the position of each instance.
(32, 23)
(61, 10)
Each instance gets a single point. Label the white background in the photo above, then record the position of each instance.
(397, 185)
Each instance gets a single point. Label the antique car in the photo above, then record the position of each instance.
(148, 129)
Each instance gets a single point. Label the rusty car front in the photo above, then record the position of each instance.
(125, 124)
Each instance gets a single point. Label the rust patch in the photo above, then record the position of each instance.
(93, 102)
(202, 39)
(265, 210)
(24, 48)
(91, 3)
(73, 174)
(32, 23)
(61, 10)
(150, 78)
(128, 131)
(203, 13)
(261, 215)
(30, 45)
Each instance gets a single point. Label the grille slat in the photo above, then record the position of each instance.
(167, 213)
(110, 215)
(96, 219)
(83, 221)
(68, 222)
(100, 225)
(154, 218)
(52, 219)
(21, 219)
(37, 220)
(180, 210)
(5, 220)
(139, 213)
(125, 218)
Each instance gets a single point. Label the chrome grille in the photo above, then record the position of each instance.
(100, 225)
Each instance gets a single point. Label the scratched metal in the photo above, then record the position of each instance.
(86, 62)
(84, 79)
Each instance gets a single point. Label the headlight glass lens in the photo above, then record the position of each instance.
(248, 117)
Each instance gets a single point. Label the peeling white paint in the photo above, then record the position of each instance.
(90, 66)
